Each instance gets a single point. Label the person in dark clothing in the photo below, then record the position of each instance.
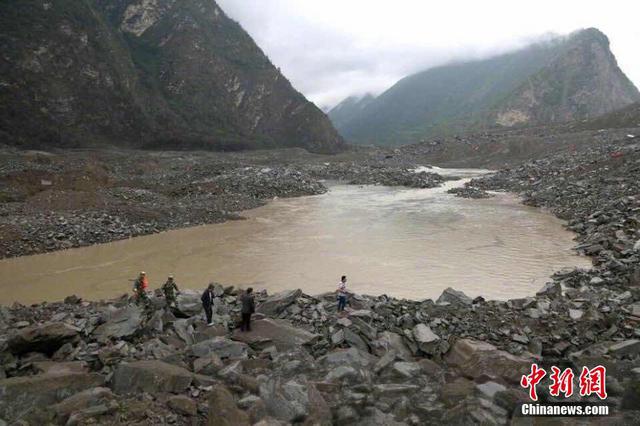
(207, 303)
(248, 308)
(342, 293)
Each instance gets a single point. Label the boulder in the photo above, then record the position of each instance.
(551, 290)
(46, 338)
(375, 417)
(220, 346)
(451, 393)
(208, 365)
(51, 367)
(625, 348)
(182, 404)
(454, 297)
(490, 389)
(406, 370)
(428, 342)
(294, 402)
(21, 396)
(223, 410)
(575, 314)
(150, 376)
(119, 323)
(388, 341)
(188, 303)
(474, 358)
(352, 357)
(82, 400)
(355, 340)
(477, 411)
(275, 304)
(341, 373)
(280, 333)
(184, 329)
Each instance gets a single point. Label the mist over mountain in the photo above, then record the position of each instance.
(145, 73)
(568, 78)
(349, 108)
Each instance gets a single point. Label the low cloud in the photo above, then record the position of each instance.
(335, 48)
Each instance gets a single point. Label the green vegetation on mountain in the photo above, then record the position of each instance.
(349, 108)
(145, 73)
(564, 79)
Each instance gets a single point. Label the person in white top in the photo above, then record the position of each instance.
(342, 293)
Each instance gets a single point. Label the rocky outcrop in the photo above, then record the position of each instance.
(41, 338)
(277, 303)
(583, 81)
(146, 73)
(119, 323)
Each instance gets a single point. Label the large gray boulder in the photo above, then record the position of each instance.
(46, 338)
(427, 341)
(391, 342)
(27, 395)
(220, 346)
(280, 333)
(82, 400)
(454, 297)
(474, 358)
(292, 401)
(625, 348)
(275, 304)
(119, 323)
(188, 303)
(352, 357)
(150, 376)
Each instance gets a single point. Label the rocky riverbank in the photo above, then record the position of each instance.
(597, 190)
(385, 362)
(53, 201)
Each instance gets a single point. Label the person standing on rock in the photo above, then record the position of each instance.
(207, 303)
(170, 289)
(248, 307)
(140, 288)
(342, 293)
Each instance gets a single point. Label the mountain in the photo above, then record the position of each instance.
(627, 117)
(346, 110)
(564, 79)
(145, 73)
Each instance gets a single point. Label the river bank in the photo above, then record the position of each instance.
(386, 361)
(59, 200)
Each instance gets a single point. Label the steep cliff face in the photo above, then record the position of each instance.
(570, 78)
(145, 73)
(583, 81)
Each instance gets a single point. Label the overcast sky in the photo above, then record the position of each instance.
(330, 49)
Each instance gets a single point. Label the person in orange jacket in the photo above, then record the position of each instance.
(140, 288)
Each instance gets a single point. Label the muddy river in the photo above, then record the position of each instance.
(410, 243)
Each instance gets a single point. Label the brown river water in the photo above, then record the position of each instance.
(410, 243)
